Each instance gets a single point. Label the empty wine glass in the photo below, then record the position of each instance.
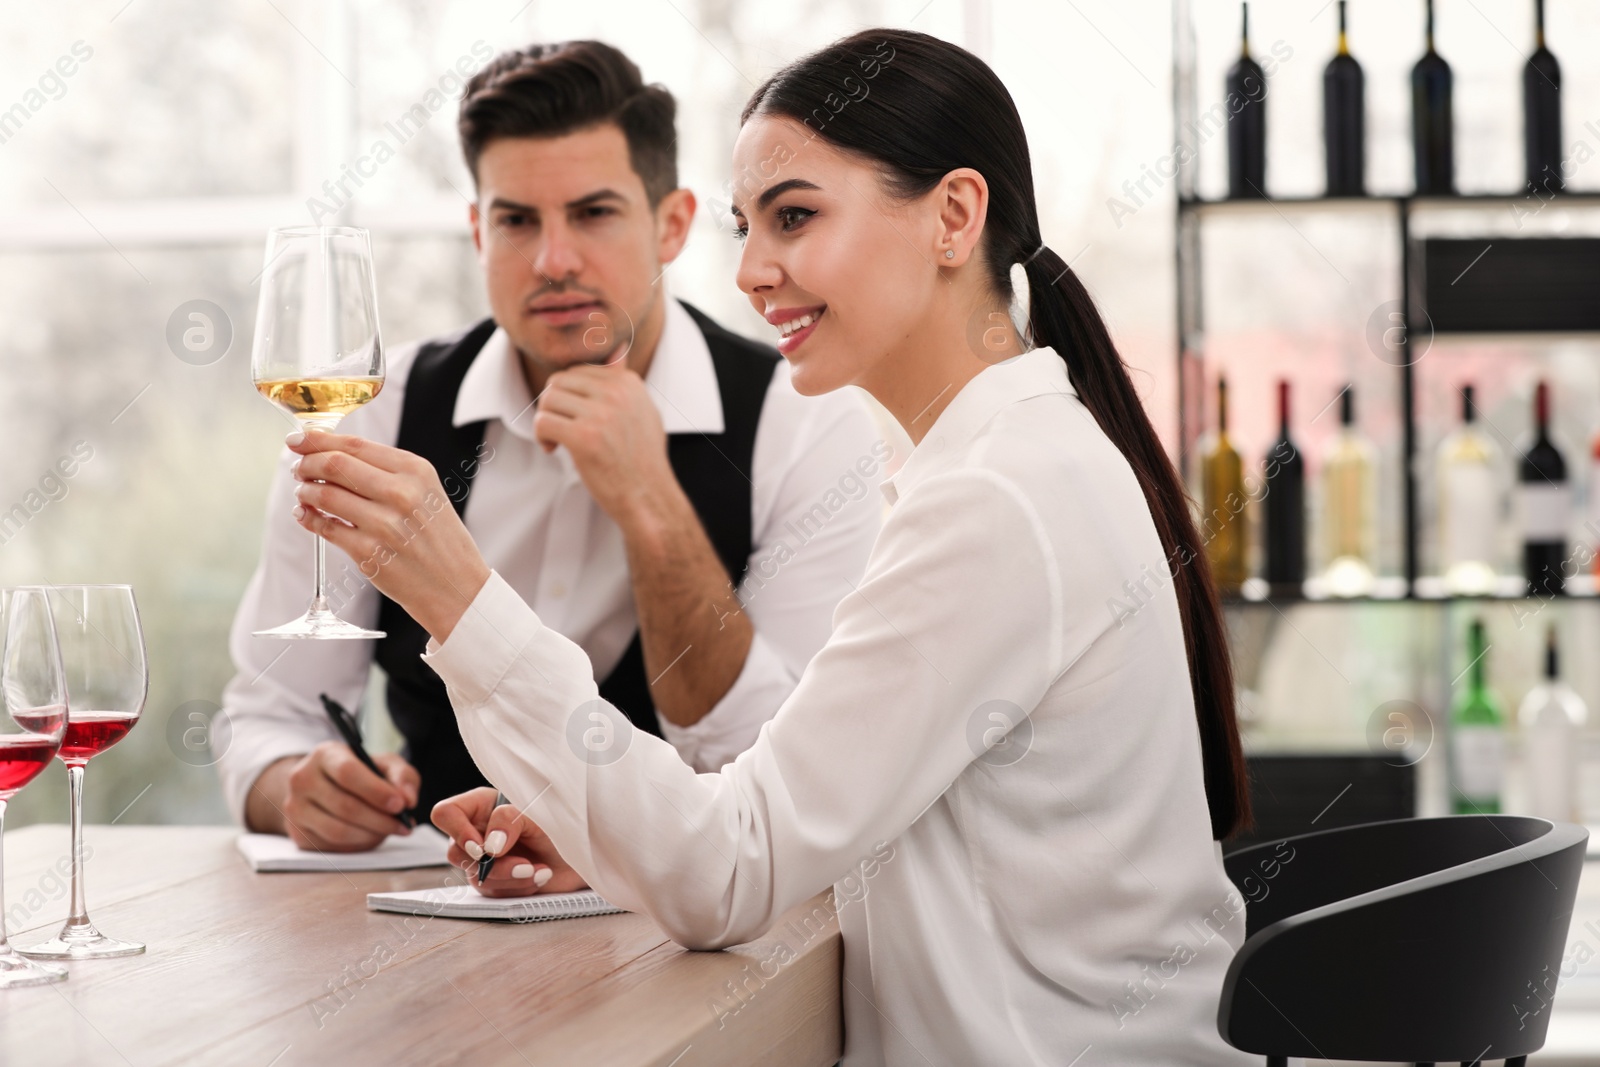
(102, 656)
(31, 730)
(318, 355)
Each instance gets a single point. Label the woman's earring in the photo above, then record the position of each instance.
(949, 253)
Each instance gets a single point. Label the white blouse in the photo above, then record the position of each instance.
(994, 761)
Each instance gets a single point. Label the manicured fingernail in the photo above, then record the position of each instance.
(543, 877)
(474, 850)
(522, 870)
(299, 512)
(495, 842)
(294, 468)
(294, 438)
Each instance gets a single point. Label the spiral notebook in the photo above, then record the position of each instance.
(464, 902)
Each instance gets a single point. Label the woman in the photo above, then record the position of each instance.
(1019, 742)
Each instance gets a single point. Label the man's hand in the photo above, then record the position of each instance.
(328, 799)
(526, 860)
(605, 418)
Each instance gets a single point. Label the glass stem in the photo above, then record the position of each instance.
(5, 946)
(75, 816)
(319, 598)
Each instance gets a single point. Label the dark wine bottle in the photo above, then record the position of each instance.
(1544, 505)
(1541, 114)
(1432, 122)
(1344, 120)
(1285, 520)
(1247, 122)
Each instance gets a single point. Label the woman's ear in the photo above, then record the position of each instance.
(962, 201)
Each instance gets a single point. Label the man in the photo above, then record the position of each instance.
(624, 461)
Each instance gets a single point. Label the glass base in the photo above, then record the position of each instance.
(16, 972)
(81, 943)
(319, 626)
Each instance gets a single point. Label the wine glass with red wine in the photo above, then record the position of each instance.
(102, 656)
(31, 729)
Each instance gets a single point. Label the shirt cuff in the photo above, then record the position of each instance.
(734, 722)
(486, 641)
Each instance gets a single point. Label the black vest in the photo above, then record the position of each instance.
(713, 469)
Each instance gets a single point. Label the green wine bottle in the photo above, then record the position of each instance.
(1477, 737)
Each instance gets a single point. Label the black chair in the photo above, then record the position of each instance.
(1420, 940)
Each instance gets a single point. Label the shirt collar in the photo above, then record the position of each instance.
(682, 381)
(1038, 372)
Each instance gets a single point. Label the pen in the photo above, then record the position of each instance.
(486, 861)
(345, 723)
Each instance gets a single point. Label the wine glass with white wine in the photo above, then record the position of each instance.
(318, 356)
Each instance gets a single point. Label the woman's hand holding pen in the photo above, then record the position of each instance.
(387, 510)
(526, 862)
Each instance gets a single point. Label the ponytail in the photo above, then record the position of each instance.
(1062, 315)
(922, 107)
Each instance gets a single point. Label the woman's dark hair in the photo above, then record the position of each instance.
(550, 90)
(917, 108)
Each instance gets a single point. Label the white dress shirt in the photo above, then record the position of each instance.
(1006, 896)
(813, 519)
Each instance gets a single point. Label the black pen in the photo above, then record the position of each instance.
(345, 723)
(486, 861)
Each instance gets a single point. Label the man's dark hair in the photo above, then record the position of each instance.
(550, 90)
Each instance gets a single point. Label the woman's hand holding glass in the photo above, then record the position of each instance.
(526, 861)
(387, 510)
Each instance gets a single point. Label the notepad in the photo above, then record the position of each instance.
(465, 902)
(423, 847)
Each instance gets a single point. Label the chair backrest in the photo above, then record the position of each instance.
(1417, 939)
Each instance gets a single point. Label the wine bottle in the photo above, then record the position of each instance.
(1432, 124)
(1544, 505)
(1550, 718)
(1477, 736)
(1246, 102)
(1541, 113)
(1468, 505)
(1285, 505)
(1348, 506)
(1222, 492)
(1344, 119)
(1591, 523)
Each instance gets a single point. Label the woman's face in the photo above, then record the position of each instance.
(824, 241)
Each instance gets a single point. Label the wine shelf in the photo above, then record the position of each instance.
(1415, 243)
(1187, 204)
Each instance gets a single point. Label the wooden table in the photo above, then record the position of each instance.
(275, 970)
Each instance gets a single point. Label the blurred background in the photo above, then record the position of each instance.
(147, 178)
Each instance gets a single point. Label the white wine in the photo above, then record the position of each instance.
(1349, 507)
(319, 400)
(1469, 505)
(1552, 717)
(1223, 495)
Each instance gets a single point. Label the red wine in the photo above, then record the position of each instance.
(1541, 114)
(1285, 520)
(92, 732)
(1544, 505)
(22, 757)
(1247, 123)
(1432, 121)
(1344, 120)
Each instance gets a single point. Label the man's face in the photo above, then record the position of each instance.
(570, 247)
